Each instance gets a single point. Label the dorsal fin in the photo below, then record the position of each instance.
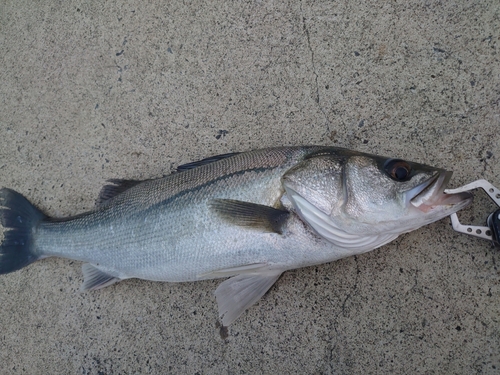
(199, 163)
(250, 215)
(118, 186)
(115, 187)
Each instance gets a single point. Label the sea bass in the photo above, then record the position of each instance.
(247, 216)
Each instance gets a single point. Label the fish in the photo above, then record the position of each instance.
(247, 217)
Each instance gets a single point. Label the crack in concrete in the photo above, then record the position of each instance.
(312, 58)
(354, 289)
(317, 99)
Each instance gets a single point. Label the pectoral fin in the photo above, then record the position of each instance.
(250, 215)
(240, 292)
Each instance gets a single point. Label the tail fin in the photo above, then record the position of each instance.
(18, 218)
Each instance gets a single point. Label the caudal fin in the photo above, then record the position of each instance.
(19, 219)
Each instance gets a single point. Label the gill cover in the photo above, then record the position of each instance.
(355, 200)
(325, 227)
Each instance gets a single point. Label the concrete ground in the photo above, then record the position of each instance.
(98, 90)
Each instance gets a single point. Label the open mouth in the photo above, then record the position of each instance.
(431, 193)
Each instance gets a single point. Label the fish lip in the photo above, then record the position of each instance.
(414, 194)
(431, 193)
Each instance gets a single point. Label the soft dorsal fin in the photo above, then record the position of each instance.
(199, 163)
(115, 187)
(250, 215)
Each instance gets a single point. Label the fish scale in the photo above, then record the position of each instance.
(172, 246)
(248, 216)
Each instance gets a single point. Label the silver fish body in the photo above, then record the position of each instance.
(165, 230)
(251, 216)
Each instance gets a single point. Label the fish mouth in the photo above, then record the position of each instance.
(431, 193)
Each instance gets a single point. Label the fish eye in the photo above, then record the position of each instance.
(398, 170)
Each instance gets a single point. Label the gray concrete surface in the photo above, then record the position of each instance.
(98, 90)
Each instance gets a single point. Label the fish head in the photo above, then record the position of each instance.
(344, 193)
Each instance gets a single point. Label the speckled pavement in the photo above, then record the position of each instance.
(98, 90)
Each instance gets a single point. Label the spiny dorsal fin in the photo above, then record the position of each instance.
(199, 163)
(115, 187)
(250, 215)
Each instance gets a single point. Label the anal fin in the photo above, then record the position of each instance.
(94, 278)
(240, 292)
